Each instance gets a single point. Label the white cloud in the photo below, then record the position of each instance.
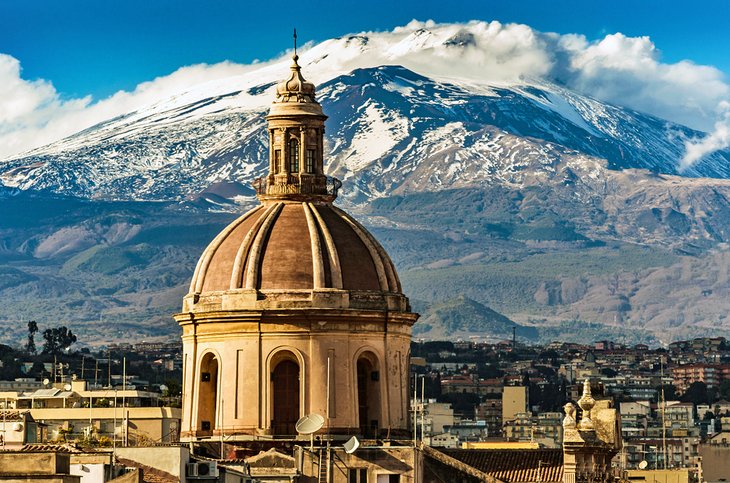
(719, 138)
(623, 70)
(627, 71)
(32, 114)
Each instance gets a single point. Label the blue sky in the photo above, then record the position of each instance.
(99, 47)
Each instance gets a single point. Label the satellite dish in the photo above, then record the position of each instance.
(45, 382)
(67, 387)
(18, 427)
(163, 388)
(643, 465)
(352, 445)
(309, 424)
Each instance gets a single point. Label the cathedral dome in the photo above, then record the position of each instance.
(295, 308)
(296, 248)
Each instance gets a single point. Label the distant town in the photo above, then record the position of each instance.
(673, 401)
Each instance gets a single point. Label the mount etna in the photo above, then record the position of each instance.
(502, 203)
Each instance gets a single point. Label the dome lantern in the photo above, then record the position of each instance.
(296, 144)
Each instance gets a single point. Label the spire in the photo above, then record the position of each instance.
(296, 143)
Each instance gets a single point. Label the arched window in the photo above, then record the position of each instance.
(294, 155)
(368, 395)
(285, 391)
(207, 393)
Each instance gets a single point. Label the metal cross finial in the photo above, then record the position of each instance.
(295, 41)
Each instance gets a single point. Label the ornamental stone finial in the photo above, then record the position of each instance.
(569, 419)
(586, 403)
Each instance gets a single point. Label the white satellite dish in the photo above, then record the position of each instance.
(352, 445)
(309, 424)
(163, 388)
(45, 382)
(67, 387)
(643, 465)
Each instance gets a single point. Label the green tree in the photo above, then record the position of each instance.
(725, 390)
(32, 329)
(57, 340)
(696, 393)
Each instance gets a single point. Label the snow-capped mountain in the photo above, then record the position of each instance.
(523, 194)
(390, 130)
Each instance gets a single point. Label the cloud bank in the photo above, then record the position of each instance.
(626, 71)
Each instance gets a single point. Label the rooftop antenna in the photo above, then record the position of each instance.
(295, 41)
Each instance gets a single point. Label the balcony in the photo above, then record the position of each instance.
(282, 185)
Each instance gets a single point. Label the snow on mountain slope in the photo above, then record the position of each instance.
(390, 129)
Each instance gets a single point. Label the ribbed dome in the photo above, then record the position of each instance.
(294, 247)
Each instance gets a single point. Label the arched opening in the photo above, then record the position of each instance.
(285, 392)
(207, 393)
(368, 395)
(294, 155)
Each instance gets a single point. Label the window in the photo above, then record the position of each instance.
(357, 475)
(277, 161)
(208, 389)
(309, 161)
(294, 155)
(285, 382)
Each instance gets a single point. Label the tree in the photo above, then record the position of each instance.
(696, 393)
(32, 329)
(608, 372)
(57, 340)
(725, 390)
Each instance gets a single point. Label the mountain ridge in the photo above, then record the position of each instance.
(526, 199)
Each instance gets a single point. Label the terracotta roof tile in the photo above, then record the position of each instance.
(513, 465)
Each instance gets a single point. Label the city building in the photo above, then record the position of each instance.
(544, 428)
(514, 402)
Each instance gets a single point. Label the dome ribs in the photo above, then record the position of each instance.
(239, 264)
(360, 271)
(201, 270)
(334, 259)
(318, 275)
(375, 255)
(386, 272)
(286, 260)
(254, 256)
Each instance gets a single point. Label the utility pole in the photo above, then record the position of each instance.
(664, 407)
(415, 410)
(423, 407)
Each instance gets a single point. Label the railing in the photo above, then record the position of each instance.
(315, 185)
